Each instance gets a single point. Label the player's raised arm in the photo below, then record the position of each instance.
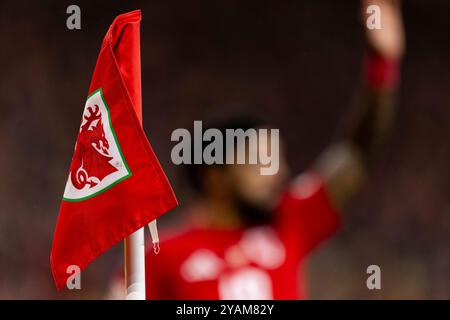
(346, 163)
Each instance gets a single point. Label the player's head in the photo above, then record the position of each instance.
(253, 194)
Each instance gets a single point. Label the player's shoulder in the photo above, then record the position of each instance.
(179, 239)
(306, 185)
(191, 233)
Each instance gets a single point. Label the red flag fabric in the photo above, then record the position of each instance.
(115, 184)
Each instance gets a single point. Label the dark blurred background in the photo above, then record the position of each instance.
(296, 63)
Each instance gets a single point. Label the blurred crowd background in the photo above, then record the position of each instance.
(297, 63)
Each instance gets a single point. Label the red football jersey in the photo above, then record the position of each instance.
(262, 262)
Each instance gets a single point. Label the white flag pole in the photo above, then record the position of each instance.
(135, 266)
(135, 243)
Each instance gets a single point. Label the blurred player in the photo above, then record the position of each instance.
(249, 234)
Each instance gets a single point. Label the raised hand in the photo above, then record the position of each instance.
(389, 40)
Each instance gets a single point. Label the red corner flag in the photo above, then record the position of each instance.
(116, 184)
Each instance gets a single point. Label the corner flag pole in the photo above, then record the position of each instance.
(135, 242)
(135, 266)
(135, 261)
